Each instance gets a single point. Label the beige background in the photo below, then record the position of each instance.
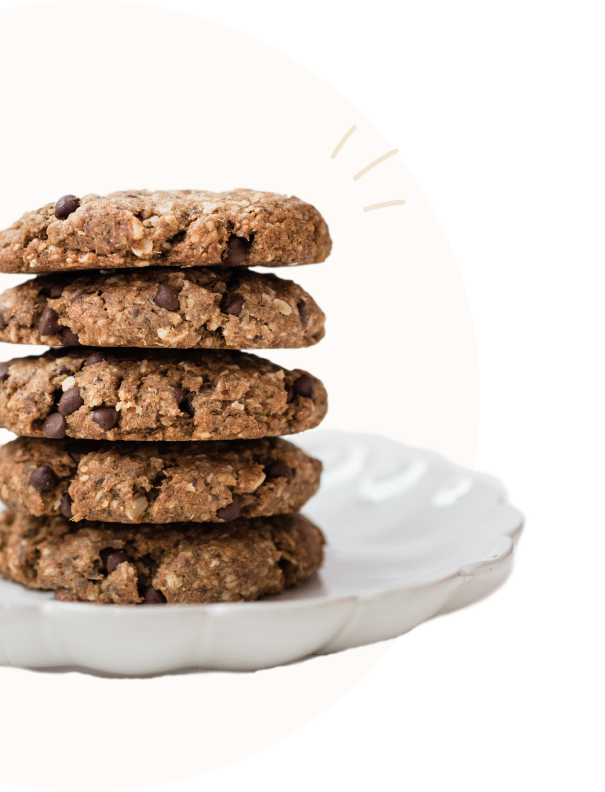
(143, 97)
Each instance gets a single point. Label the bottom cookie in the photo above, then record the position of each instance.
(124, 564)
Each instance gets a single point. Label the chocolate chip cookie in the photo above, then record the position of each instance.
(222, 308)
(133, 394)
(156, 482)
(174, 228)
(109, 563)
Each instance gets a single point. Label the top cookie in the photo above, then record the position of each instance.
(170, 228)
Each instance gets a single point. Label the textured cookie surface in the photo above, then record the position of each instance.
(109, 563)
(156, 482)
(178, 228)
(156, 395)
(224, 308)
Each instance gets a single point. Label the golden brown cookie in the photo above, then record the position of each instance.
(173, 228)
(156, 482)
(109, 563)
(223, 308)
(133, 394)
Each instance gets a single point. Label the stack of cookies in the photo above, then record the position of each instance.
(149, 466)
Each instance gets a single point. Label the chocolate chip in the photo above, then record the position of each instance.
(51, 288)
(70, 401)
(132, 196)
(66, 502)
(49, 322)
(184, 401)
(232, 303)
(105, 553)
(44, 284)
(236, 252)
(96, 357)
(305, 386)
(43, 479)
(106, 417)
(303, 311)
(229, 512)
(289, 395)
(80, 449)
(152, 596)
(65, 206)
(54, 427)
(167, 297)
(279, 469)
(187, 405)
(3, 322)
(69, 339)
(4, 371)
(115, 559)
(129, 355)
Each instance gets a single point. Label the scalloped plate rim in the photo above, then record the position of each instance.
(49, 607)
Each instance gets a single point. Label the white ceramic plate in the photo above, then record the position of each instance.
(410, 536)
